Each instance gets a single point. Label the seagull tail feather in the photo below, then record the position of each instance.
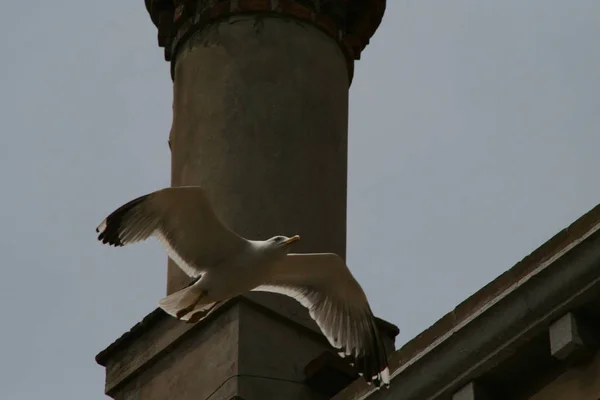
(179, 300)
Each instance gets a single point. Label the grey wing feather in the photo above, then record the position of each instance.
(323, 284)
(183, 221)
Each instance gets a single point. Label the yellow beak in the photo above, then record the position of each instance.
(291, 240)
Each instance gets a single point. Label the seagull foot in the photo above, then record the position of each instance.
(196, 317)
(186, 310)
(183, 312)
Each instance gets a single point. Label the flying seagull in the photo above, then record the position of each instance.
(224, 265)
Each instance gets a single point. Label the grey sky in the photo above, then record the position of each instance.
(473, 139)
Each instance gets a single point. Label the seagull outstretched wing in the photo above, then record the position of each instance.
(182, 219)
(324, 284)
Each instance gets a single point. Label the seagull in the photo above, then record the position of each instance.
(224, 265)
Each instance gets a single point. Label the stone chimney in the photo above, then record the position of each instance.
(260, 120)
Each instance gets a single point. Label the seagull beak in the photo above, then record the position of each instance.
(291, 240)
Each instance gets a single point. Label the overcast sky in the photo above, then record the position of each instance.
(474, 138)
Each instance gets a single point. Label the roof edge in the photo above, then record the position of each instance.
(530, 290)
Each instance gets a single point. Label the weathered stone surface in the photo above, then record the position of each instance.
(568, 338)
(272, 356)
(329, 374)
(242, 350)
(192, 365)
(471, 391)
(580, 383)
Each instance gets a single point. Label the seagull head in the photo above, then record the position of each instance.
(282, 242)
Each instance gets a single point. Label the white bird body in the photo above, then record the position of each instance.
(251, 267)
(226, 265)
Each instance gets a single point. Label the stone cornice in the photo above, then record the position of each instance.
(350, 22)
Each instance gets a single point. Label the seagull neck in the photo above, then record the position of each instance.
(260, 245)
(266, 249)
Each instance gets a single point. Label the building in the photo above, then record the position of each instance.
(258, 84)
(532, 333)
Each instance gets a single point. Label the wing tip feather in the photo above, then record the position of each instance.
(102, 227)
(110, 230)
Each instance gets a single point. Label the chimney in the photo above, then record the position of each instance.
(260, 120)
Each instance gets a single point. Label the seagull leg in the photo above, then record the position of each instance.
(196, 317)
(199, 314)
(181, 313)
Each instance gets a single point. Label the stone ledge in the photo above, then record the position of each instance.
(572, 339)
(155, 336)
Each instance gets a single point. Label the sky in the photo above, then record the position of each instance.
(473, 139)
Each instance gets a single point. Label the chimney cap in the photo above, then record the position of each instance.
(361, 19)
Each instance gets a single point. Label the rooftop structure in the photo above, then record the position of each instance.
(529, 334)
